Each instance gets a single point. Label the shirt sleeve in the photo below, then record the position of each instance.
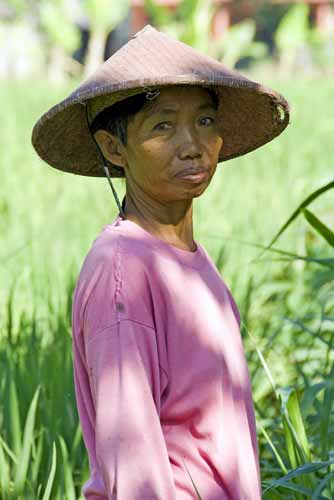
(234, 306)
(126, 382)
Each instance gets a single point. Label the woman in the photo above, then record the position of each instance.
(162, 385)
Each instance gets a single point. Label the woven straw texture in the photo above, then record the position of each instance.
(249, 114)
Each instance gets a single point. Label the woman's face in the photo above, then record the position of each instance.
(171, 136)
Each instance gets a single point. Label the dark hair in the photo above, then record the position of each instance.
(115, 118)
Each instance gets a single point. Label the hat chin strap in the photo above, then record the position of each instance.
(105, 168)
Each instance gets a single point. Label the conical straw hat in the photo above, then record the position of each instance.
(249, 114)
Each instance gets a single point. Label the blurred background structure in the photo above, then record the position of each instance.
(65, 38)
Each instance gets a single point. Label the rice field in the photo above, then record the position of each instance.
(49, 219)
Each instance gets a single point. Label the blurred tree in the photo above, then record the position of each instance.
(191, 23)
(19, 7)
(238, 42)
(103, 18)
(60, 43)
(267, 17)
(322, 50)
(292, 35)
(20, 51)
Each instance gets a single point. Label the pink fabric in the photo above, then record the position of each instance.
(162, 385)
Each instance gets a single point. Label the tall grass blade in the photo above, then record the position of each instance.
(159, 13)
(9, 452)
(304, 493)
(263, 361)
(321, 485)
(49, 484)
(67, 471)
(319, 226)
(192, 481)
(326, 413)
(313, 196)
(9, 326)
(296, 419)
(328, 262)
(297, 473)
(14, 414)
(4, 473)
(28, 435)
(36, 458)
(310, 395)
(296, 440)
(273, 447)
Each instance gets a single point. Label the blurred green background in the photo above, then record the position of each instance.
(49, 220)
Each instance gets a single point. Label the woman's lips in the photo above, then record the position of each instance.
(193, 175)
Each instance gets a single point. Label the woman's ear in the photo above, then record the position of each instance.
(111, 147)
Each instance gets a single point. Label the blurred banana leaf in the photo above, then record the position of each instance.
(293, 29)
(104, 15)
(237, 42)
(103, 18)
(52, 16)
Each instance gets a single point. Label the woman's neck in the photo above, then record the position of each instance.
(172, 223)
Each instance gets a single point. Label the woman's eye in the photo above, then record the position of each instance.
(163, 126)
(206, 121)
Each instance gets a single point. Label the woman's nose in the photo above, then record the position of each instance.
(189, 145)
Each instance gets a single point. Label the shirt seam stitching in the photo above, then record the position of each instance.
(118, 276)
(117, 324)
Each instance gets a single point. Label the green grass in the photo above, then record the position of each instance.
(48, 220)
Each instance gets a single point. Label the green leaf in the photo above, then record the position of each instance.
(263, 361)
(67, 472)
(196, 18)
(321, 485)
(326, 412)
(159, 14)
(293, 30)
(296, 452)
(103, 16)
(36, 458)
(9, 452)
(49, 484)
(296, 440)
(236, 41)
(319, 226)
(274, 449)
(76, 442)
(53, 15)
(310, 395)
(28, 435)
(295, 416)
(313, 196)
(296, 473)
(14, 415)
(292, 487)
(4, 473)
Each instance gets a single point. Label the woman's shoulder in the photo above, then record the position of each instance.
(114, 251)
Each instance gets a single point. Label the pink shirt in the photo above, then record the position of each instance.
(162, 385)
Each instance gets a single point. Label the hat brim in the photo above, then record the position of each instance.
(249, 116)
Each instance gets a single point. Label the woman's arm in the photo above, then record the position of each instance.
(125, 381)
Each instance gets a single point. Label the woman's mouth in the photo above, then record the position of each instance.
(193, 175)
